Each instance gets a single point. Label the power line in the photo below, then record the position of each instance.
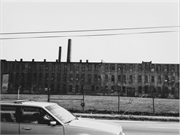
(90, 35)
(40, 32)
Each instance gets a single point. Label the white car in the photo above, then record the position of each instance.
(31, 117)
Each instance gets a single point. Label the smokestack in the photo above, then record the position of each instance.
(59, 58)
(69, 51)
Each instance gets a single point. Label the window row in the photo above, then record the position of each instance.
(95, 67)
(90, 78)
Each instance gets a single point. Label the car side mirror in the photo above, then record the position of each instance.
(53, 123)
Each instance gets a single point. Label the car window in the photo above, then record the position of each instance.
(35, 115)
(8, 113)
(62, 114)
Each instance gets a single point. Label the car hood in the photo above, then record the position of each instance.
(92, 124)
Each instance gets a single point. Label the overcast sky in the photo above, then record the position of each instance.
(156, 43)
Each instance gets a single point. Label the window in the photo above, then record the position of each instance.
(77, 77)
(58, 87)
(71, 67)
(112, 78)
(17, 66)
(70, 88)
(52, 77)
(131, 67)
(8, 114)
(119, 78)
(123, 89)
(35, 115)
(65, 67)
(96, 67)
(146, 89)
(159, 79)
(112, 88)
(152, 79)
(166, 78)
(23, 67)
(59, 67)
(95, 78)
(64, 77)
(77, 67)
(89, 67)
(83, 67)
(146, 79)
(17, 76)
(53, 67)
(124, 78)
(77, 88)
(41, 67)
(173, 79)
(106, 77)
(139, 89)
(106, 67)
(130, 78)
(152, 68)
(34, 76)
(146, 66)
(158, 68)
(112, 67)
(92, 88)
(166, 68)
(52, 87)
(124, 67)
(139, 67)
(60, 113)
(29, 77)
(119, 67)
(71, 78)
(82, 77)
(58, 77)
(99, 77)
(139, 78)
(172, 68)
(47, 67)
(40, 77)
(46, 77)
(22, 76)
(89, 78)
(11, 77)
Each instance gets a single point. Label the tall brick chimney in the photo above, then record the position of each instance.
(59, 58)
(69, 51)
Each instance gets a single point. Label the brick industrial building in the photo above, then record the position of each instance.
(129, 79)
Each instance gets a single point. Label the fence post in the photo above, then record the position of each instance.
(153, 99)
(19, 91)
(48, 95)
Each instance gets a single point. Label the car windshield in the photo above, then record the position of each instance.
(61, 113)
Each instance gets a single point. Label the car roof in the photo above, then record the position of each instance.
(26, 103)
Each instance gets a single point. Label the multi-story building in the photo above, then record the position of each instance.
(127, 79)
(130, 79)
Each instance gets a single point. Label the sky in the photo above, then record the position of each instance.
(116, 31)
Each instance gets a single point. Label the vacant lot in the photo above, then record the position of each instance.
(107, 104)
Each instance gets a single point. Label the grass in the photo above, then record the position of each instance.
(108, 104)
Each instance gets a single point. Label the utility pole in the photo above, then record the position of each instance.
(120, 89)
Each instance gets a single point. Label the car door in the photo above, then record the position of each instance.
(9, 123)
(35, 122)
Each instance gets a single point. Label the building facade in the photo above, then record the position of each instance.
(126, 79)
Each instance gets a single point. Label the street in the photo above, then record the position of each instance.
(147, 127)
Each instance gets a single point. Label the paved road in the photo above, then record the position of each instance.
(148, 128)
